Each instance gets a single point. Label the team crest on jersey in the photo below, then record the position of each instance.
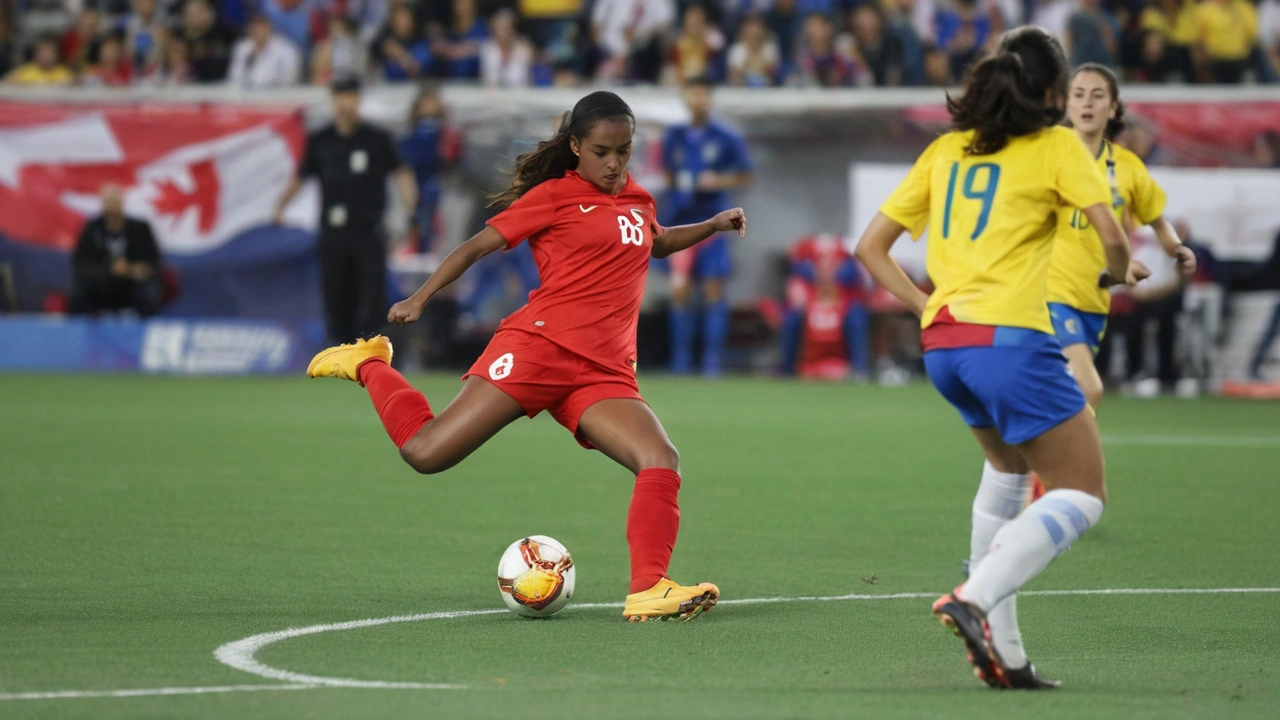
(1117, 200)
(1072, 326)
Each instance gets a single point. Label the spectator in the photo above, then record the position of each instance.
(506, 58)
(428, 151)
(754, 60)
(460, 44)
(145, 30)
(175, 68)
(785, 24)
(116, 263)
(696, 50)
(1168, 34)
(1092, 35)
(566, 75)
(1053, 15)
(45, 68)
(209, 42)
(292, 19)
(111, 66)
(937, 67)
(7, 49)
(264, 59)
(77, 42)
(1227, 31)
(898, 18)
(1269, 40)
(340, 53)
(353, 161)
(629, 34)
(820, 62)
(402, 51)
(826, 313)
(1266, 149)
(367, 16)
(1158, 300)
(962, 32)
(879, 49)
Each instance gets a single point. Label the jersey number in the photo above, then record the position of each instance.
(632, 233)
(1079, 221)
(987, 195)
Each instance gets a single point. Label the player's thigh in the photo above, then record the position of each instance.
(1069, 456)
(476, 414)
(1003, 457)
(1080, 362)
(628, 432)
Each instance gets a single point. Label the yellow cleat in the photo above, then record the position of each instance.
(344, 361)
(667, 600)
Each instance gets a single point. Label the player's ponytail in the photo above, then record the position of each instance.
(553, 158)
(1016, 91)
(1116, 124)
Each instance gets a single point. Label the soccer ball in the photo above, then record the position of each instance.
(535, 576)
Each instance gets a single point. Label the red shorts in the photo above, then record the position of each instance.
(541, 375)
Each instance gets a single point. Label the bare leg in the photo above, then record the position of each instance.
(1080, 361)
(476, 414)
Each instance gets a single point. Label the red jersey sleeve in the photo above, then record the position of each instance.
(533, 212)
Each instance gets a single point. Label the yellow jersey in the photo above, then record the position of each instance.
(993, 219)
(33, 74)
(1228, 30)
(1078, 255)
(1181, 29)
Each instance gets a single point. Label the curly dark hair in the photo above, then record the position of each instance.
(1014, 92)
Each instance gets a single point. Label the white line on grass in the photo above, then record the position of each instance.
(65, 694)
(240, 653)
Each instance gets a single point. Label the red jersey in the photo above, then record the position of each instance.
(592, 251)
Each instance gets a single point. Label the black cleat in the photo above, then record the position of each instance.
(1027, 679)
(968, 624)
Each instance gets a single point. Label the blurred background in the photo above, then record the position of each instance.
(145, 146)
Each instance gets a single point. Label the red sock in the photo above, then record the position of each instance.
(404, 410)
(652, 525)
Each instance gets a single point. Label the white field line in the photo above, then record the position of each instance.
(240, 653)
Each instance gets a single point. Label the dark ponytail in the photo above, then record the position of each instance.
(1014, 92)
(553, 158)
(1116, 124)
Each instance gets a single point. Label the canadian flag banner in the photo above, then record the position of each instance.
(201, 174)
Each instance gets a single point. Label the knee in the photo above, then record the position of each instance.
(664, 456)
(425, 459)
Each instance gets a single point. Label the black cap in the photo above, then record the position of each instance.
(345, 83)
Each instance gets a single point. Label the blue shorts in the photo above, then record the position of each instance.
(1074, 327)
(1019, 385)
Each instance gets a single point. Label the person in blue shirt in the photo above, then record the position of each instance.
(424, 151)
(703, 161)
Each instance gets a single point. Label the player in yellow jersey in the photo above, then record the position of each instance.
(990, 191)
(1078, 302)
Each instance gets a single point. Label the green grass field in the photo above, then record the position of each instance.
(147, 521)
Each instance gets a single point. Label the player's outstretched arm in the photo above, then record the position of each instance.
(1173, 247)
(454, 264)
(677, 238)
(873, 252)
(1120, 271)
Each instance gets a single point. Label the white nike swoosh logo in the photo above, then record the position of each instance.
(587, 209)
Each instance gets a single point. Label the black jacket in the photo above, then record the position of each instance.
(99, 247)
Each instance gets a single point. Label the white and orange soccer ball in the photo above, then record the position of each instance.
(535, 576)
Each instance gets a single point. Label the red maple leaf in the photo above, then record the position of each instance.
(174, 201)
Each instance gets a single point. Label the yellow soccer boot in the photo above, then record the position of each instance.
(344, 361)
(667, 600)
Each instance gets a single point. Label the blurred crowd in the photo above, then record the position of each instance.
(518, 43)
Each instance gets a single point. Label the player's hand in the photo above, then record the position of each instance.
(1137, 273)
(734, 219)
(1185, 259)
(404, 312)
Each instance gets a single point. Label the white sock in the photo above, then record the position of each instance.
(999, 499)
(1027, 544)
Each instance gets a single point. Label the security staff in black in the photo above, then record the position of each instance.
(352, 160)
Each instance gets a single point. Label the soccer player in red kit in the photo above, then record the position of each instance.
(572, 349)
